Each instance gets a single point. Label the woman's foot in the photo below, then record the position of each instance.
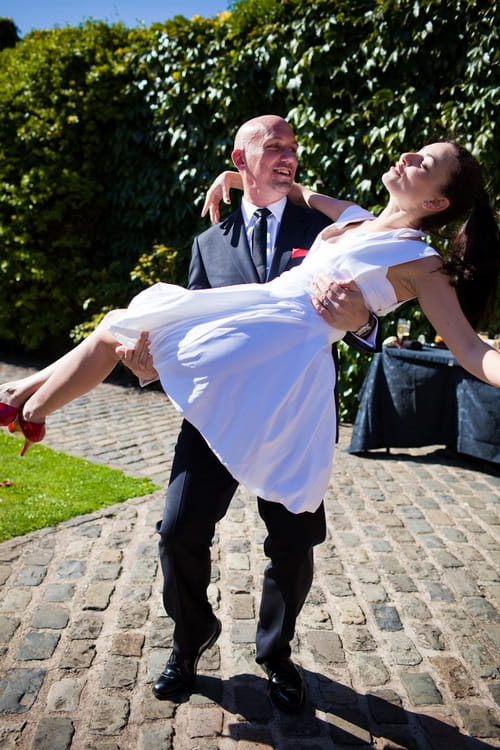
(14, 397)
(8, 414)
(34, 432)
(9, 404)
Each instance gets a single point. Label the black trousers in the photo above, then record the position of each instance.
(198, 496)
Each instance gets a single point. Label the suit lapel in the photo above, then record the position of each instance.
(289, 235)
(233, 232)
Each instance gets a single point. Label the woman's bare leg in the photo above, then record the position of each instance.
(17, 392)
(74, 374)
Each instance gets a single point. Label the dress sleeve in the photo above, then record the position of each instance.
(350, 215)
(354, 213)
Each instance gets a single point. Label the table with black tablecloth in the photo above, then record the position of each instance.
(411, 398)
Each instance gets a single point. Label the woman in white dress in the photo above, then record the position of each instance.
(265, 349)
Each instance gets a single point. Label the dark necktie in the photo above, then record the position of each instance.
(259, 242)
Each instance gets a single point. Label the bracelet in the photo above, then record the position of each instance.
(366, 329)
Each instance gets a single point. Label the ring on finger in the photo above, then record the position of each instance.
(326, 302)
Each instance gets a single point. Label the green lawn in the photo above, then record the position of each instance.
(46, 487)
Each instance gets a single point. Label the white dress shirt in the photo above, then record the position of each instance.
(273, 224)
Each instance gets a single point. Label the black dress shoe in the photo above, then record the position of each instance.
(285, 684)
(179, 673)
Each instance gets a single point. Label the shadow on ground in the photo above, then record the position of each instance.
(351, 719)
(443, 456)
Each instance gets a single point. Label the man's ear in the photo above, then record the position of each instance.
(238, 157)
(436, 204)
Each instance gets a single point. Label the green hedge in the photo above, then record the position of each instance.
(109, 136)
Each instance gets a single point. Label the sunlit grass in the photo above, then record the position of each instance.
(46, 487)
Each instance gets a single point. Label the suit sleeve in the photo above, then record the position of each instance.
(197, 276)
(365, 346)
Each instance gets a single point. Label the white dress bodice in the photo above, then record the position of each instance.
(362, 256)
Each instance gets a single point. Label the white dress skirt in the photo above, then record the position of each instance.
(250, 366)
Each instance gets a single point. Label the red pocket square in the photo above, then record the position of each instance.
(299, 252)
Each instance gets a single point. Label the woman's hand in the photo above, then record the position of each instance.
(341, 305)
(139, 359)
(299, 194)
(219, 192)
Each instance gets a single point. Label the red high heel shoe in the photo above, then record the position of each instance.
(33, 432)
(8, 414)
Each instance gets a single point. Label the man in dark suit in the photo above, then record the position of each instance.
(201, 488)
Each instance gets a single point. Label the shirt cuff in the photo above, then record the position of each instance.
(371, 339)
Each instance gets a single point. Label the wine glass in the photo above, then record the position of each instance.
(403, 331)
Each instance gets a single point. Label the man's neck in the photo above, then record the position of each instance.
(277, 207)
(262, 198)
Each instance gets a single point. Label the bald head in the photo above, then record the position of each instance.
(265, 153)
(258, 127)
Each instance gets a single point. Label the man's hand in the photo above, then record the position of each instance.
(139, 359)
(340, 305)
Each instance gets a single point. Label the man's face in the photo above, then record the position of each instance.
(267, 161)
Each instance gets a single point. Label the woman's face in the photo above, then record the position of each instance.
(418, 178)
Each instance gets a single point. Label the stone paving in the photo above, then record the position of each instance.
(399, 640)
